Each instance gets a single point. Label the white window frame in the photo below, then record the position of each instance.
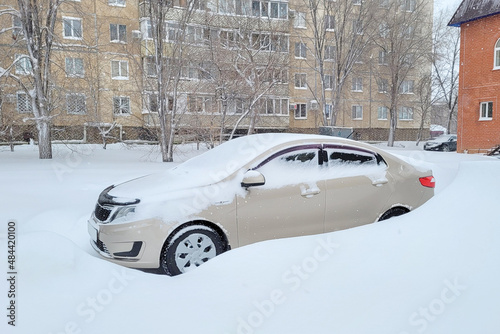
(328, 82)
(71, 67)
(357, 112)
(122, 66)
(300, 20)
(122, 106)
(407, 87)
(496, 56)
(328, 110)
(74, 33)
(382, 113)
(76, 95)
(27, 107)
(357, 84)
(117, 3)
(146, 29)
(300, 50)
(300, 111)
(23, 65)
(329, 22)
(301, 80)
(405, 113)
(116, 29)
(329, 53)
(485, 111)
(383, 85)
(382, 57)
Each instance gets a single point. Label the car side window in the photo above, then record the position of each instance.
(352, 157)
(291, 166)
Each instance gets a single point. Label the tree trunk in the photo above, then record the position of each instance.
(44, 143)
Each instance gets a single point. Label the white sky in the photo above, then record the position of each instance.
(443, 4)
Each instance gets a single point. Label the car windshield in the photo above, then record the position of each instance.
(236, 153)
(442, 139)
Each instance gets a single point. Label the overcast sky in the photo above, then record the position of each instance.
(451, 4)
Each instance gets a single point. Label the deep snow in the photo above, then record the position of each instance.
(434, 270)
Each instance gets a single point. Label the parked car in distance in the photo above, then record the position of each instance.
(446, 143)
(251, 189)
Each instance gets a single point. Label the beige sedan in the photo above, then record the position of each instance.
(250, 189)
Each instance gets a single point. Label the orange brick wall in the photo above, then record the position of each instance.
(479, 82)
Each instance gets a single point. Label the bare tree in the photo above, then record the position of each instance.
(404, 46)
(168, 61)
(445, 62)
(37, 20)
(341, 31)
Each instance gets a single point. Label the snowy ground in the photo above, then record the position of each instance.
(435, 270)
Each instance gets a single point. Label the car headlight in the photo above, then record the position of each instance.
(123, 213)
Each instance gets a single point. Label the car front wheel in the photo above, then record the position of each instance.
(189, 248)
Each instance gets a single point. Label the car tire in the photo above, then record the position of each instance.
(393, 212)
(446, 148)
(189, 248)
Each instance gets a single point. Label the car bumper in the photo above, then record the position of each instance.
(135, 244)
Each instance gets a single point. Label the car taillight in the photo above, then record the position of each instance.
(428, 181)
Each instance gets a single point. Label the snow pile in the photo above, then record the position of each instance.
(434, 270)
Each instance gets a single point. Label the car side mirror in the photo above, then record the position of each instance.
(253, 178)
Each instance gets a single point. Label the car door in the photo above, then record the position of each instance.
(290, 203)
(358, 187)
(453, 143)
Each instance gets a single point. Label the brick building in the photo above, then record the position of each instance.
(479, 79)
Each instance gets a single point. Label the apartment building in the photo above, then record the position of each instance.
(229, 64)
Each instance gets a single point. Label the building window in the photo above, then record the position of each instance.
(408, 5)
(17, 27)
(74, 67)
(199, 4)
(486, 111)
(497, 55)
(199, 104)
(382, 57)
(24, 103)
(383, 85)
(382, 113)
(328, 82)
(146, 29)
(120, 3)
(329, 22)
(150, 67)
(357, 84)
(152, 102)
(119, 69)
(300, 20)
(357, 112)
(121, 105)
(406, 87)
(118, 32)
(273, 9)
(239, 105)
(300, 50)
(23, 65)
(75, 104)
(274, 106)
(384, 3)
(357, 27)
(72, 28)
(329, 52)
(383, 30)
(300, 80)
(357, 2)
(267, 42)
(328, 110)
(228, 38)
(406, 113)
(300, 111)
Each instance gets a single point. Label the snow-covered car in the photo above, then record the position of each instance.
(251, 189)
(446, 143)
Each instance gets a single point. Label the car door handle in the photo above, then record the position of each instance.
(307, 193)
(380, 182)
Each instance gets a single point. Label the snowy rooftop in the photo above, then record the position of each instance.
(470, 10)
